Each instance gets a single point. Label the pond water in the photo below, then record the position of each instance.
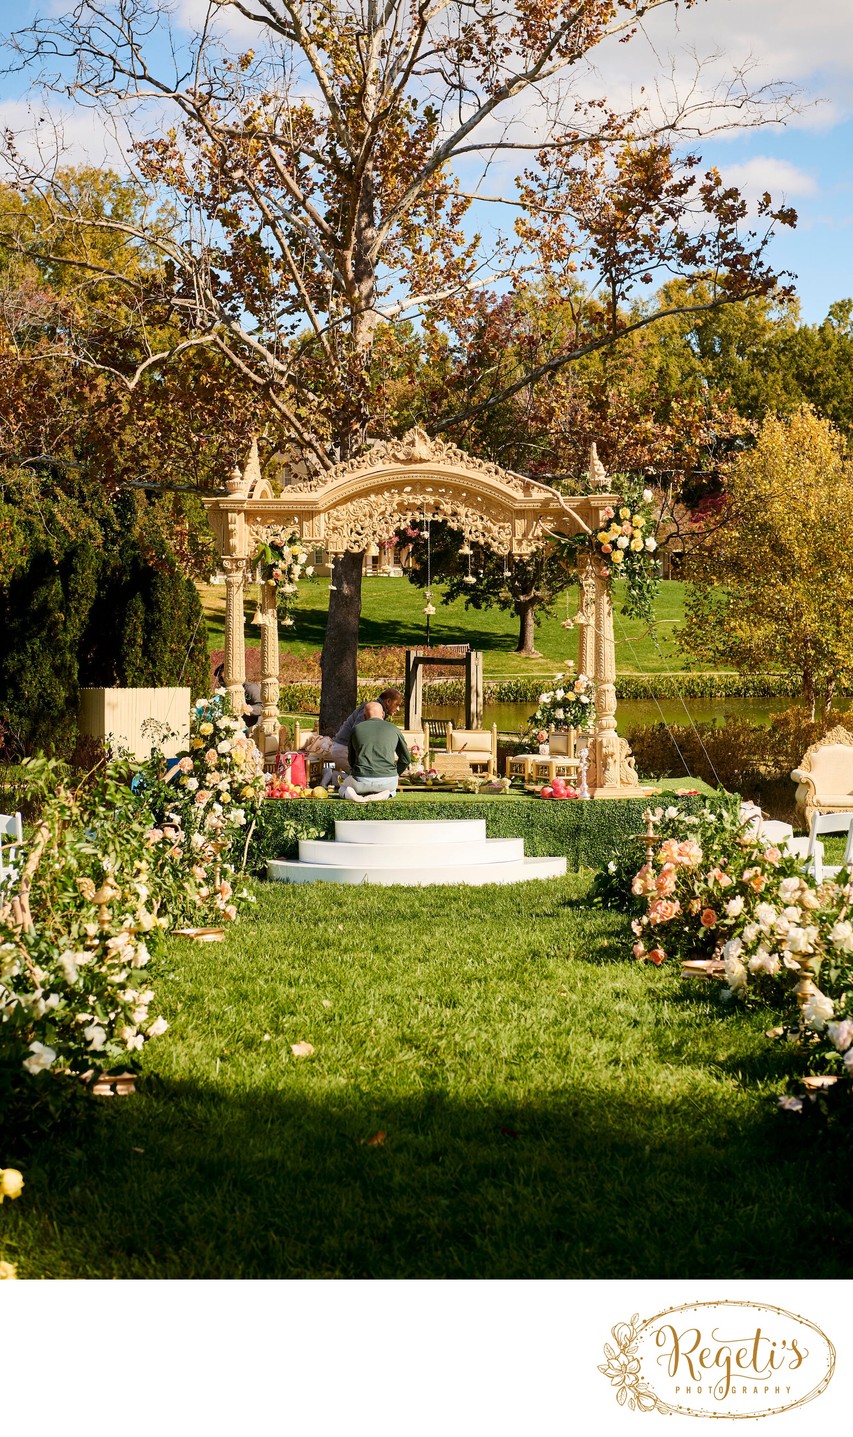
(631, 713)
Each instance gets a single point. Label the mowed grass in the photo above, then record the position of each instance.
(392, 614)
(492, 1094)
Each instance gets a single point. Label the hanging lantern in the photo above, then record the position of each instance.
(429, 610)
(466, 551)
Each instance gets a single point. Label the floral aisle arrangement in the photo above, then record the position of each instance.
(713, 890)
(206, 801)
(282, 561)
(569, 704)
(625, 549)
(89, 907)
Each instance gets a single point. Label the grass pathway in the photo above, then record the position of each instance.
(491, 1095)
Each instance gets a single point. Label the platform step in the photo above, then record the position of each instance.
(410, 831)
(410, 855)
(284, 870)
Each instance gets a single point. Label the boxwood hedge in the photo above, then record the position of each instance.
(585, 833)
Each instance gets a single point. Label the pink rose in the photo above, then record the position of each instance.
(656, 956)
(644, 882)
(663, 910)
(709, 918)
(666, 880)
(186, 764)
(685, 855)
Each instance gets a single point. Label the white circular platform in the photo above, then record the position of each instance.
(413, 852)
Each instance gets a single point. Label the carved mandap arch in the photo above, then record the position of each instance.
(356, 503)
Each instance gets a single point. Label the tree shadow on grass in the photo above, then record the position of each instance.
(187, 1181)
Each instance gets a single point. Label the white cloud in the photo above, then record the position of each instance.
(763, 172)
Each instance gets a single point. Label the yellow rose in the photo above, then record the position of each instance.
(11, 1183)
(636, 545)
(624, 513)
(614, 531)
(197, 743)
(637, 520)
(617, 557)
(8, 1269)
(247, 792)
(602, 537)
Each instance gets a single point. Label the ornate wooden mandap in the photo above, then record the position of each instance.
(356, 503)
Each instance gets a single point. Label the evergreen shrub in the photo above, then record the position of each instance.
(586, 834)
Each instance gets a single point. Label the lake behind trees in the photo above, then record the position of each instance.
(630, 713)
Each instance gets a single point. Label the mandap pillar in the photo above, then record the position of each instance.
(606, 743)
(235, 644)
(266, 729)
(585, 625)
(615, 774)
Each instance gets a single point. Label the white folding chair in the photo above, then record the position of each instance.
(828, 823)
(11, 835)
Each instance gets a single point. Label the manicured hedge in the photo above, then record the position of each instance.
(585, 833)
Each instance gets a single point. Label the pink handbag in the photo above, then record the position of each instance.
(293, 768)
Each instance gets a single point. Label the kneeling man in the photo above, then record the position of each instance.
(378, 754)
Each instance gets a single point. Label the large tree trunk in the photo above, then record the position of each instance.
(526, 610)
(339, 659)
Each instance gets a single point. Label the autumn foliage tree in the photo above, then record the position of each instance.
(773, 589)
(318, 182)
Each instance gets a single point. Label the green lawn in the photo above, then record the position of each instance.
(492, 1095)
(392, 613)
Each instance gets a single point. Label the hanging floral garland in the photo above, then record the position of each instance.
(625, 549)
(282, 561)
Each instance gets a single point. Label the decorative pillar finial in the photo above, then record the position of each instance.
(597, 474)
(252, 472)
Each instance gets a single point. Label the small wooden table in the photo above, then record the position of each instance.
(457, 765)
(547, 767)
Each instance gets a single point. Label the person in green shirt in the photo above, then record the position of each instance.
(378, 754)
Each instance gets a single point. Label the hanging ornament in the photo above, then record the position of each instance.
(429, 607)
(466, 550)
(469, 577)
(568, 622)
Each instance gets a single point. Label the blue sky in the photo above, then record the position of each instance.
(806, 162)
